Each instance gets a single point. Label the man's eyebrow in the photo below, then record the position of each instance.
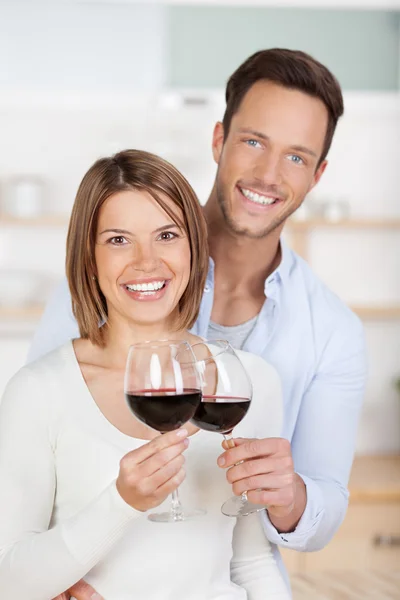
(305, 150)
(126, 232)
(262, 136)
(253, 132)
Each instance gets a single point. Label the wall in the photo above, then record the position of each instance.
(359, 46)
(58, 131)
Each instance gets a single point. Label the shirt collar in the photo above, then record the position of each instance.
(210, 275)
(287, 261)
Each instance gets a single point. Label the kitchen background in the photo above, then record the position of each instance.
(79, 80)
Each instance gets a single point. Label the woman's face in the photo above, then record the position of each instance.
(142, 258)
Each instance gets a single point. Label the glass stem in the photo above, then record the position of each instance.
(176, 506)
(231, 444)
(229, 439)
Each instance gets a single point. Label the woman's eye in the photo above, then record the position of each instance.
(167, 236)
(296, 159)
(253, 143)
(117, 240)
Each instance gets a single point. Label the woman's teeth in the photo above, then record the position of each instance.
(146, 287)
(257, 198)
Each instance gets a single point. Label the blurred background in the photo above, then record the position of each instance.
(82, 79)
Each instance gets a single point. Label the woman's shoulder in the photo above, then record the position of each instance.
(52, 364)
(48, 370)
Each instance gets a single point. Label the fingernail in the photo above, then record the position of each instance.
(181, 433)
(95, 597)
(186, 442)
(221, 461)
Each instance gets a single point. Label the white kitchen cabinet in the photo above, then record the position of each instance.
(370, 4)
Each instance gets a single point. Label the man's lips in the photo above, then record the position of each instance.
(258, 201)
(258, 197)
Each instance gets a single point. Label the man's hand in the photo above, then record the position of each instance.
(267, 475)
(80, 591)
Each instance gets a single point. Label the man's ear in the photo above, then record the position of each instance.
(217, 141)
(318, 174)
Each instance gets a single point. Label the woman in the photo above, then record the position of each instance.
(77, 470)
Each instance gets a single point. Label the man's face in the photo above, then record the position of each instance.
(268, 162)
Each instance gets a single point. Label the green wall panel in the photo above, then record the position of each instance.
(205, 44)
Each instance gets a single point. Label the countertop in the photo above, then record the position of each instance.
(375, 479)
(346, 585)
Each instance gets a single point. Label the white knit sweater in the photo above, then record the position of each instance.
(62, 519)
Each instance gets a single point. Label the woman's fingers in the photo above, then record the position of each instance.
(147, 475)
(158, 444)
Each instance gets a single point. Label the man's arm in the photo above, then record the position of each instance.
(304, 484)
(324, 440)
(56, 326)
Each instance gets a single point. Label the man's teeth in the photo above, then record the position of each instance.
(146, 287)
(258, 198)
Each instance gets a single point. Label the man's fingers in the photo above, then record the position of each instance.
(246, 449)
(262, 466)
(276, 499)
(83, 591)
(269, 482)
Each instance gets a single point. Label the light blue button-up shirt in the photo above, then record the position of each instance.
(317, 346)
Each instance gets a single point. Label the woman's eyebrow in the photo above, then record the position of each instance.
(169, 226)
(126, 232)
(116, 231)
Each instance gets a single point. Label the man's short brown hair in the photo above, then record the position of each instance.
(292, 69)
(130, 170)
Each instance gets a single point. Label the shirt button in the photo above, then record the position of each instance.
(207, 289)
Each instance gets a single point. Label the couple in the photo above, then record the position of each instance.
(65, 414)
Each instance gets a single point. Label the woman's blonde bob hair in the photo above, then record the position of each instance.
(130, 170)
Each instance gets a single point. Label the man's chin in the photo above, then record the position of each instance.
(245, 230)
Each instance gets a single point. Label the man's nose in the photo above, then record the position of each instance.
(268, 169)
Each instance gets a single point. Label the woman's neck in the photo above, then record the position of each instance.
(120, 335)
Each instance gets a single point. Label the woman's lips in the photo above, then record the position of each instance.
(149, 295)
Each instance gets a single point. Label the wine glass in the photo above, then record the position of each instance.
(226, 397)
(162, 389)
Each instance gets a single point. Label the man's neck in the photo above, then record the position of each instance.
(244, 263)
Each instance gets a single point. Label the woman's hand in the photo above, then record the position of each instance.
(80, 591)
(149, 474)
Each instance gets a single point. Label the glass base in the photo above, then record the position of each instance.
(176, 516)
(239, 506)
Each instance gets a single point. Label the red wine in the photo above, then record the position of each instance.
(220, 413)
(164, 410)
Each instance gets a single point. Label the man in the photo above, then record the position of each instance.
(271, 147)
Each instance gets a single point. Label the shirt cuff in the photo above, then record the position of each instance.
(306, 527)
(91, 533)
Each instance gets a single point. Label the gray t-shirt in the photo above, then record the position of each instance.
(235, 335)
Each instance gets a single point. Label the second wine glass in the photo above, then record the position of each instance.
(226, 396)
(162, 389)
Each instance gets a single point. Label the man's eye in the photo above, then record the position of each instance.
(117, 240)
(167, 236)
(296, 159)
(253, 143)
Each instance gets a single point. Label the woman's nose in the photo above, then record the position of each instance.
(144, 258)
